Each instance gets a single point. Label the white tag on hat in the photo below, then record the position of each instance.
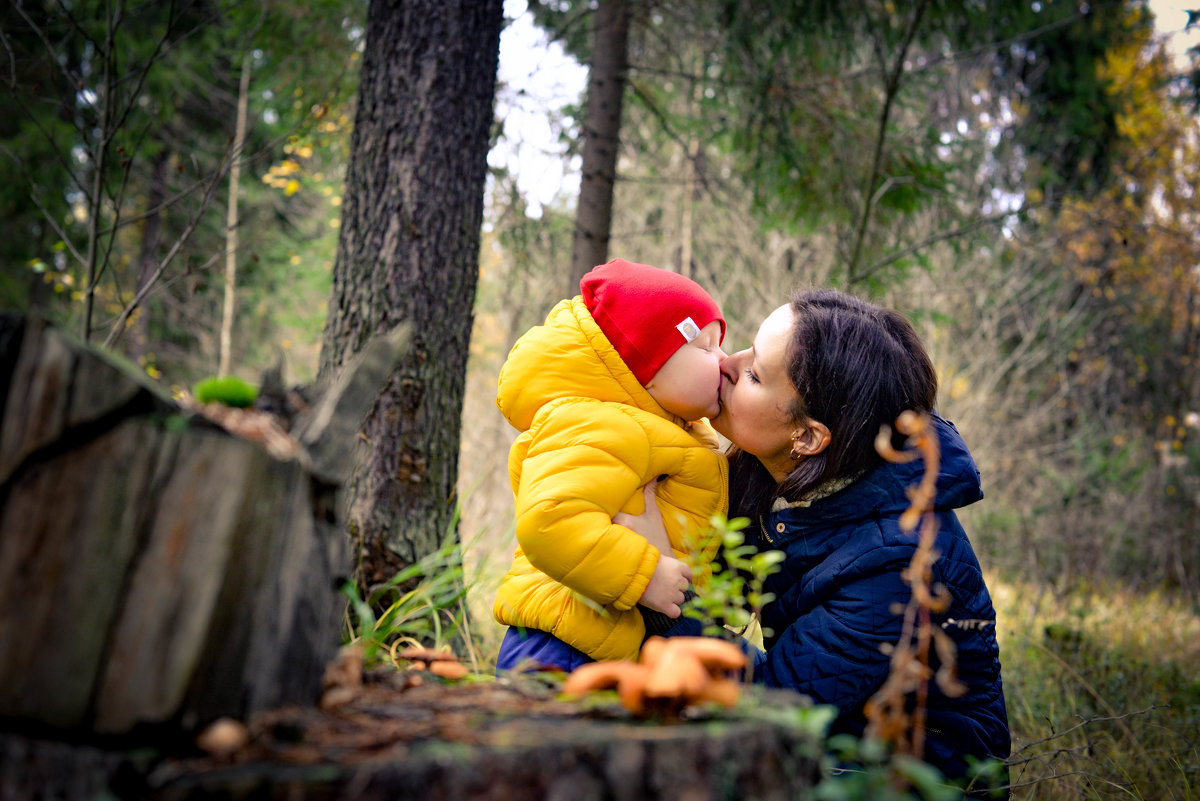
(689, 329)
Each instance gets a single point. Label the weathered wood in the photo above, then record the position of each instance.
(154, 568)
(467, 741)
(329, 429)
(69, 531)
(215, 612)
(34, 768)
(58, 385)
(565, 760)
(278, 620)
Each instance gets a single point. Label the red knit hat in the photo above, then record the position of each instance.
(647, 313)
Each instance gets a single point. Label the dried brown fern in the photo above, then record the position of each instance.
(888, 715)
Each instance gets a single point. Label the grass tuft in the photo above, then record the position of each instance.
(1103, 693)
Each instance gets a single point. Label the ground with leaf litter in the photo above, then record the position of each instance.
(385, 716)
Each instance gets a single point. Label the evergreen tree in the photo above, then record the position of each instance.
(118, 141)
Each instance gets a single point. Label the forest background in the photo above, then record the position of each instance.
(1018, 178)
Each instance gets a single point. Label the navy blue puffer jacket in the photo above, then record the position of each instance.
(836, 596)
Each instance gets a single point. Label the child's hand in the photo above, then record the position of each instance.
(665, 591)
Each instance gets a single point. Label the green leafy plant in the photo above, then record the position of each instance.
(228, 390)
(422, 604)
(732, 596)
(868, 770)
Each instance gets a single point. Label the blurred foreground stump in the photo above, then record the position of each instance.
(157, 570)
(473, 740)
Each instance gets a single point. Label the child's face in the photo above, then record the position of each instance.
(689, 383)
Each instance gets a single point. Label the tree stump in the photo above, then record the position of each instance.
(155, 569)
(468, 741)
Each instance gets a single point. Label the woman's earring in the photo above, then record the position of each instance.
(796, 453)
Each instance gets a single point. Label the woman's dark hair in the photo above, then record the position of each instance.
(856, 367)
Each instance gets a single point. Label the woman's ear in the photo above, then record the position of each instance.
(809, 438)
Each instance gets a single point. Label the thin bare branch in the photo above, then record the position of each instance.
(99, 163)
(890, 89)
(60, 156)
(118, 204)
(45, 212)
(72, 78)
(122, 320)
(12, 61)
(183, 310)
(942, 236)
(1077, 727)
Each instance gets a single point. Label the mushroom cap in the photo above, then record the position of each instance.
(423, 654)
(449, 670)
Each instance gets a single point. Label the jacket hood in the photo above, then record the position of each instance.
(567, 356)
(884, 489)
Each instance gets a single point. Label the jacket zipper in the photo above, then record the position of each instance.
(763, 527)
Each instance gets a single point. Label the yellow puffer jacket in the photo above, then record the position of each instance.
(592, 438)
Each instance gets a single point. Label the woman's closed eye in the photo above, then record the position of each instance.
(750, 374)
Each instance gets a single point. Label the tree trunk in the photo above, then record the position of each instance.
(690, 194)
(409, 252)
(148, 252)
(99, 156)
(231, 221)
(601, 139)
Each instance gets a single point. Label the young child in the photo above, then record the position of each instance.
(610, 393)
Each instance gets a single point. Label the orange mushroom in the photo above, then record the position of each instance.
(714, 654)
(448, 670)
(723, 692)
(419, 653)
(674, 673)
(439, 663)
(628, 678)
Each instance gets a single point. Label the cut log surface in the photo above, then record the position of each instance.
(400, 739)
(565, 760)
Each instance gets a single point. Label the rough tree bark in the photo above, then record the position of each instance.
(409, 251)
(601, 138)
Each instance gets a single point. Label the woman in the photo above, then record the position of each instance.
(802, 408)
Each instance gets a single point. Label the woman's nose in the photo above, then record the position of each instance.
(729, 366)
